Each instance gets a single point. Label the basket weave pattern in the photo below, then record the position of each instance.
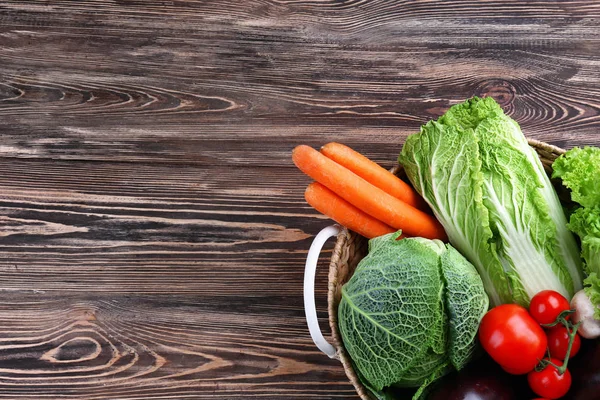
(350, 248)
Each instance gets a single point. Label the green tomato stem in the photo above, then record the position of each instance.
(572, 333)
(560, 319)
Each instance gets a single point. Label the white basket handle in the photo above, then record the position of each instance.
(309, 289)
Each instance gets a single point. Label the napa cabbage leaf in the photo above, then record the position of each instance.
(491, 193)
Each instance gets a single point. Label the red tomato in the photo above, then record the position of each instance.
(546, 305)
(548, 382)
(512, 338)
(558, 342)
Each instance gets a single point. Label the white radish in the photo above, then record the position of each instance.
(584, 313)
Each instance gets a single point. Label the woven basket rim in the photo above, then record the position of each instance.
(547, 154)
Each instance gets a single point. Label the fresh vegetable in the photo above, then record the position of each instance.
(585, 314)
(466, 303)
(388, 393)
(365, 196)
(482, 379)
(515, 339)
(489, 190)
(546, 306)
(373, 173)
(585, 222)
(410, 312)
(548, 382)
(566, 346)
(512, 338)
(339, 210)
(579, 170)
(558, 342)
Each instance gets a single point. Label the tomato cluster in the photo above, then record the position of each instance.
(535, 342)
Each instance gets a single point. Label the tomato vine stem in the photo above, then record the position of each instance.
(571, 331)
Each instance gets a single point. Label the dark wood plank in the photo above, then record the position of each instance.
(91, 227)
(152, 228)
(196, 284)
(218, 80)
(167, 347)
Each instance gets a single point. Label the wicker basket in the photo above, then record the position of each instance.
(349, 249)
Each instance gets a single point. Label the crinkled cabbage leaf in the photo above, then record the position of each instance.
(410, 313)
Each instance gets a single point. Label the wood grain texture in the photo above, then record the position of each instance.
(152, 228)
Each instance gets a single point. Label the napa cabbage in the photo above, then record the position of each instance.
(490, 191)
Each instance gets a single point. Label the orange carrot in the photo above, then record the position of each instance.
(366, 197)
(374, 174)
(344, 213)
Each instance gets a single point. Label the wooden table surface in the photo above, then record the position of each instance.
(153, 229)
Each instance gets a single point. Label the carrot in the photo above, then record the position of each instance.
(366, 197)
(374, 174)
(344, 213)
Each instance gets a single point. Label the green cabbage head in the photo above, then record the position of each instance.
(410, 312)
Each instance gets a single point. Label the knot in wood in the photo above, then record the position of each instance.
(500, 90)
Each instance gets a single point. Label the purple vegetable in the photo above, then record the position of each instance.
(482, 380)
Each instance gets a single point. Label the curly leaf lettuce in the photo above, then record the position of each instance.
(489, 190)
(590, 251)
(579, 170)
